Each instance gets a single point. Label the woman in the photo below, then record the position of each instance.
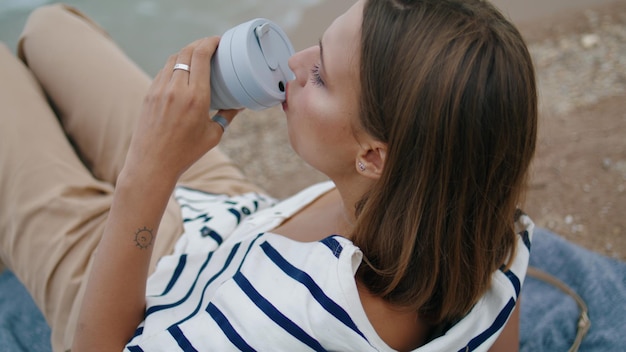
(421, 113)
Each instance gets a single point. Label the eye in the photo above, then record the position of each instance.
(316, 78)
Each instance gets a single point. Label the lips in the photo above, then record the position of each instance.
(285, 104)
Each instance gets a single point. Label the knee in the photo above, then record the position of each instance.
(46, 21)
(48, 16)
(53, 13)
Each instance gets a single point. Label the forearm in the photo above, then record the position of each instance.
(173, 131)
(114, 301)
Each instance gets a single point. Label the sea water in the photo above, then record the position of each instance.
(150, 30)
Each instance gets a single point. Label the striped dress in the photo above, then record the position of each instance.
(232, 285)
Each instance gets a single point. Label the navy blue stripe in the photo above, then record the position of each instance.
(154, 309)
(186, 205)
(329, 305)
(236, 213)
(334, 245)
(180, 338)
(134, 348)
(274, 314)
(517, 285)
(526, 239)
(182, 261)
(228, 262)
(138, 332)
(207, 232)
(230, 332)
(497, 325)
(248, 250)
(231, 255)
(157, 308)
(204, 217)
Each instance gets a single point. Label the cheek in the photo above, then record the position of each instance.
(315, 126)
(304, 126)
(319, 119)
(302, 109)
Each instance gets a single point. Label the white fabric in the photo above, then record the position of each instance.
(232, 285)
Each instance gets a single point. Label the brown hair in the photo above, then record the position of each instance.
(449, 86)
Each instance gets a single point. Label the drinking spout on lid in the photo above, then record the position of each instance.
(264, 36)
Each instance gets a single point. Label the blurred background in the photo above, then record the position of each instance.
(150, 30)
(578, 182)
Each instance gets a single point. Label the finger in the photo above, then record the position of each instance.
(184, 58)
(165, 73)
(223, 118)
(201, 62)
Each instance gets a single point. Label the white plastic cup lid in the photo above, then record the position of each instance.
(250, 67)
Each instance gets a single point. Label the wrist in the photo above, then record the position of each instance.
(145, 177)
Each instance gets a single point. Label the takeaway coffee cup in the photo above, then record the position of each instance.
(249, 68)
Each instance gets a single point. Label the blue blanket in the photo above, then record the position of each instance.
(548, 316)
(22, 326)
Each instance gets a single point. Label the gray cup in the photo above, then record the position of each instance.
(249, 68)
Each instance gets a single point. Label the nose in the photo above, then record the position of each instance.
(300, 63)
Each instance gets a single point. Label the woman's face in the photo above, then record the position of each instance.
(323, 101)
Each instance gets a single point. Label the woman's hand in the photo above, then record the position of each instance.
(175, 129)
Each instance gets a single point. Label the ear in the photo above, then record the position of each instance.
(371, 159)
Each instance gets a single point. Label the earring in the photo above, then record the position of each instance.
(361, 166)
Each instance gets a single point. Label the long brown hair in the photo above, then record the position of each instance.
(449, 86)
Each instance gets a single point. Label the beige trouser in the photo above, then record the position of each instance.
(66, 117)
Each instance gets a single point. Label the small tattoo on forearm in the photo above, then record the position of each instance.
(143, 238)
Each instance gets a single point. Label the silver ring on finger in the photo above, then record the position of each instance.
(183, 67)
